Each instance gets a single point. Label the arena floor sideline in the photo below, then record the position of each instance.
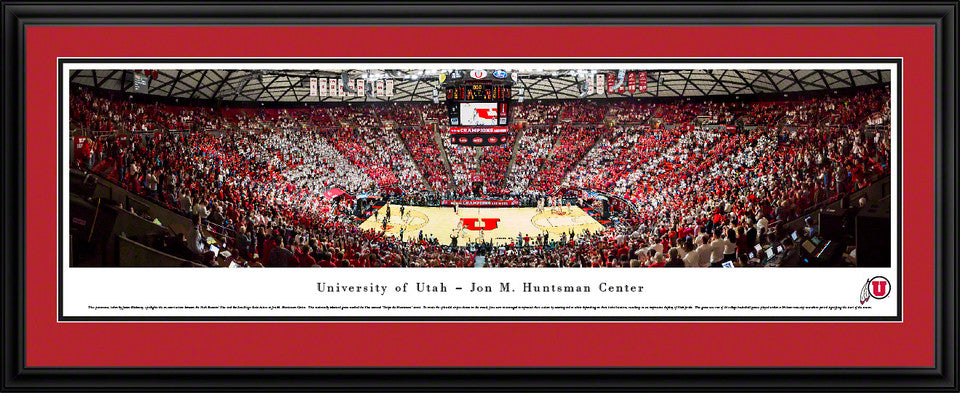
(501, 224)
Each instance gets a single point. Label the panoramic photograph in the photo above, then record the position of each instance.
(479, 167)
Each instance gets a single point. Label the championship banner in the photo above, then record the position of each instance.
(480, 203)
(388, 88)
(600, 83)
(632, 82)
(379, 91)
(610, 82)
(641, 82)
(347, 88)
(478, 130)
(322, 87)
(361, 88)
(590, 89)
(313, 87)
(333, 86)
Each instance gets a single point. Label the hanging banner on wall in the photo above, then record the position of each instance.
(322, 87)
(333, 86)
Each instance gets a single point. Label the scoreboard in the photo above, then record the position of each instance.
(478, 92)
(478, 108)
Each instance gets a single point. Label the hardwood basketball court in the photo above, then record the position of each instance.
(500, 225)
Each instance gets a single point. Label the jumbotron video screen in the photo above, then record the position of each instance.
(478, 107)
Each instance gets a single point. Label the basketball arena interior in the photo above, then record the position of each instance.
(468, 167)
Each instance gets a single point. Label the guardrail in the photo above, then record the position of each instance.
(107, 189)
(133, 254)
(875, 191)
(172, 218)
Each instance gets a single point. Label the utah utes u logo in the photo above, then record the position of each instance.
(488, 223)
(487, 113)
(877, 288)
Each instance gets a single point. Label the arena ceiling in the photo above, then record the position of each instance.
(419, 85)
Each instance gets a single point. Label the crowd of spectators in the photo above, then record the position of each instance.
(463, 162)
(312, 164)
(388, 151)
(110, 112)
(492, 168)
(406, 114)
(679, 112)
(420, 141)
(580, 112)
(545, 113)
(629, 112)
(701, 195)
(349, 143)
(534, 145)
(571, 145)
(622, 156)
(712, 177)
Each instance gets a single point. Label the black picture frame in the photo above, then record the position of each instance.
(942, 16)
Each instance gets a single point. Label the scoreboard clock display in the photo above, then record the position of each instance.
(478, 110)
(478, 92)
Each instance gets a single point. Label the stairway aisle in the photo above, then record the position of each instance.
(443, 156)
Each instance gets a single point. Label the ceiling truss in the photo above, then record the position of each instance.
(415, 85)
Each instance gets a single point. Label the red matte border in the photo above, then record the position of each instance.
(907, 344)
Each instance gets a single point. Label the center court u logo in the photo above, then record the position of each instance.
(488, 223)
